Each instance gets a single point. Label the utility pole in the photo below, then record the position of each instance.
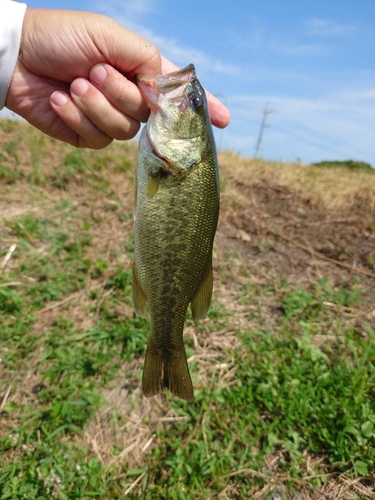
(263, 125)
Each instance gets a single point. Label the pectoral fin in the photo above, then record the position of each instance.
(152, 185)
(139, 297)
(202, 299)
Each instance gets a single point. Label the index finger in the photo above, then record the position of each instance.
(123, 49)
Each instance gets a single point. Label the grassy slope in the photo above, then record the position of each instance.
(283, 367)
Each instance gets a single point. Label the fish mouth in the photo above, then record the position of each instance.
(171, 81)
(151, 87)
(147, 86)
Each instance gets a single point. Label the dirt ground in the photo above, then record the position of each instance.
(289, 231)
(299, 223)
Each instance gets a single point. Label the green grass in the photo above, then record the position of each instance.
(291, 396)
(38, 442)
(286, 398)
(355, 166)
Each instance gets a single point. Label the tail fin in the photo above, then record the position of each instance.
(176, 376)
(169, 372)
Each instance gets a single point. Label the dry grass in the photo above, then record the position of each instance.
(298, 222)
(333, 190)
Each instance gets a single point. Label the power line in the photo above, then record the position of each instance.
(263, 125)
(297, 131)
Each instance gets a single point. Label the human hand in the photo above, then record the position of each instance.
(74, 78)
(53, 85)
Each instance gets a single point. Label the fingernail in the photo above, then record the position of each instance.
(59, 98)
(98, 74)
(79, 87)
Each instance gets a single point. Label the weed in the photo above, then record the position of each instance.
(10, 301)
(9, 175)
(11, 148)
(123, 164)
(370, 260)
(37, 175)
(356, 166)
(8, 126)
(74, 164)
(265, 243)
(79, 167)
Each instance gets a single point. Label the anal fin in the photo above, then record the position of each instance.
(202, 299)
(152, 371)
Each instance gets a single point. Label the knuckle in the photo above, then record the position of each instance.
(154, 52)
(128, 132)
(102, 143)
(94, 141)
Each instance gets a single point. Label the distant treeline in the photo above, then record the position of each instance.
(358, 166)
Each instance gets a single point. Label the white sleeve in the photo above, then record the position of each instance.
(11, 20)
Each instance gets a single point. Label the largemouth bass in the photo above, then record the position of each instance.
(176, 213)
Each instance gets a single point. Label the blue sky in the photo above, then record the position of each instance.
(311, 62)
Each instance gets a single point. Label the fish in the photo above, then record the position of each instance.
(177, 200)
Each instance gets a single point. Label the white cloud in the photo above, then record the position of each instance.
(264, 42)
(327, 28)
(182, 55)
(131, 15)
(294, 48)
(128, 10)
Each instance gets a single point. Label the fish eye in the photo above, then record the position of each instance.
(196, 101)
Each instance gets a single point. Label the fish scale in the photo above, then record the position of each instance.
(175, 223)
